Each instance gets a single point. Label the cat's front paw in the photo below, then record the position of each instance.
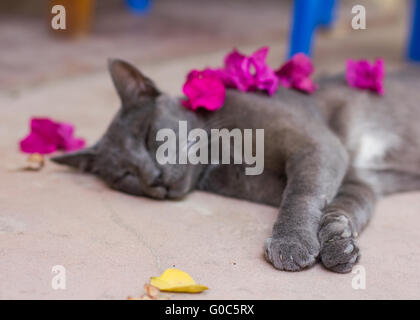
(340, 255)
(339, 251)
(293, 252)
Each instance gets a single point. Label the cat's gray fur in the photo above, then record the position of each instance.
(328, 157)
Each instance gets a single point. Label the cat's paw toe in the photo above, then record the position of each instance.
(334, 226)
(340, 255)
(339, 251)
(290, 254)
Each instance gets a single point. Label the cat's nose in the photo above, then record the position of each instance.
(158, 181)
(148, 174)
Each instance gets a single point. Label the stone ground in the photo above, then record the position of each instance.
(111, 243)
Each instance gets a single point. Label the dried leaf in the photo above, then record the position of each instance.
(151, 291)
(35, 162)
(143, 297)
(175, 280)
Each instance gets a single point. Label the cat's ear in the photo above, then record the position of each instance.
(130, 83)
(83, 160)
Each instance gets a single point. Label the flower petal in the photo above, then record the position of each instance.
(236, 71)
(47, 136)
(363, 75)
(204, 89)
(249, 73)
(296, 73)
(35, 143)
(67, 141)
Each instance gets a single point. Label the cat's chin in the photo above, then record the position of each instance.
(176, 194)
(163, 193)
(158, 193)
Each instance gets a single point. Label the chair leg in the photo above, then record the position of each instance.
(414, 45)
(303, 26)
(139, 6)
(326, 13)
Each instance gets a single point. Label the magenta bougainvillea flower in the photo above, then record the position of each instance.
(296, 73)
(47, 136)
(207, 88)
(364, 75)
(249, 73)
(204, 89)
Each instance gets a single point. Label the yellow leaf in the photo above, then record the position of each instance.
(175, 280)
(34, 162)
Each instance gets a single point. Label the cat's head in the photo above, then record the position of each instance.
(125, 157)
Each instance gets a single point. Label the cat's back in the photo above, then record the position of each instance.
(379, 131)
(286, 109)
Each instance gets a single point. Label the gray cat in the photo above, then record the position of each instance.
(328, 157)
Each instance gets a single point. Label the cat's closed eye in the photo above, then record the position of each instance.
(147, 138)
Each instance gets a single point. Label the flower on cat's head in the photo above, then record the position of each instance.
(47, 136)
(363, 75)
(204, 89)
(249, 73)
(207, 88)
(296, 73)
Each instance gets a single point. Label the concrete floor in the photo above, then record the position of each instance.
(111, 243)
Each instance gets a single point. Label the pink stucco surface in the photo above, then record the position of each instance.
(111, 243)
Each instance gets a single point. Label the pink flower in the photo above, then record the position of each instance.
(204, 89)
(68, 142)
(265, 77)
(363, 75)
(249, 73)
(47, 136)
(296, 73)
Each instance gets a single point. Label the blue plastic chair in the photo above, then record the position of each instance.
(414, 44)
(139, 6)
(308, 15)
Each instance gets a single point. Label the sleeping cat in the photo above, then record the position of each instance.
(328, 157)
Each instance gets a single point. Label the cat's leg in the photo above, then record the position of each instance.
(351, 210)
(393, 181)
(313, 178)
(343, 219)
